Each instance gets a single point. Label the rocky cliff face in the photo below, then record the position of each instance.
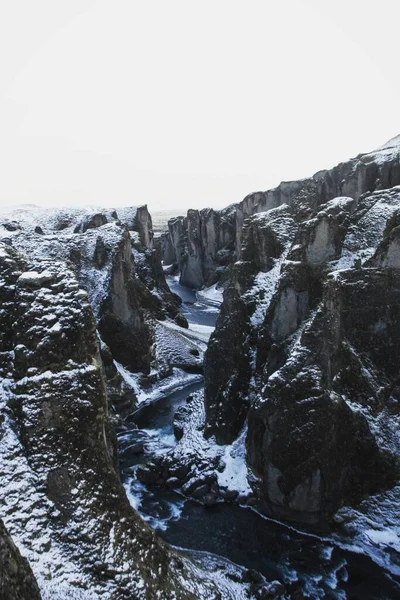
(228, 373)
(318, 357)
(16, 577)
(200, 244)
(206, 241)
(113, 257)
(79, 290)
(62, 500)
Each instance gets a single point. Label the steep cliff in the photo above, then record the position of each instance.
(321, 297)
(16, 578)
(206, 241)
(200, 244)
(62, 500)
(114, 259)
(303, 363)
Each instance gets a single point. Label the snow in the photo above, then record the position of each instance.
(34, 276)
(196, 336)
(373, 528)
(340, 201)
(217, 568)
(385, 537)
(265, 284)
(389, 152)
(163, 511)
(202, 332)
(179, 379)
(211, 295)
(363, 238)
(392, 143)
(264, 287)
(235, 470)
(64, 219)
(25, 511)
(178, 346)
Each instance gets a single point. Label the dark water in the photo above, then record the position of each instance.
(160, 415)
(154, 422)
(278, 551)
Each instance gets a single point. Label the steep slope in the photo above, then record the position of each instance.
(205, 242)
(301, 372)
(324, 355)
(115, 262)
(62, 500)
(16, 577)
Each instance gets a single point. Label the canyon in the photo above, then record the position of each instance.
(294, 324)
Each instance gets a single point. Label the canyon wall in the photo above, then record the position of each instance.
(319, 313)
(204, 242)
(78, 290)
(305, 354)
(16, 578)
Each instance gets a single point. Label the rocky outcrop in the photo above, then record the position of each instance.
(113, 257)
(138, 219)
(227, 374)
(200, 243)
(310, 438)
(318, 286)
(16, 578)
(206, 241)
(61, 495)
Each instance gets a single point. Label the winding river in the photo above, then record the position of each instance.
(316, 564)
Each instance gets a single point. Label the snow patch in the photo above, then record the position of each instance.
(211, 295)
(234, 475)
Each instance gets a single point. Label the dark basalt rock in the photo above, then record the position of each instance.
(315, 305)
(138, 219)
(207, 239)
(227, 373)
(113, 257)
(200, 243)
(16, 578)
(58, 450)
(91, 222)
(11, 225)
(312, 450)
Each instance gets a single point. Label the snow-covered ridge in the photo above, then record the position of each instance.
(206, 242)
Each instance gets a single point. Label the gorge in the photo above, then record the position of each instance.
(284, 462)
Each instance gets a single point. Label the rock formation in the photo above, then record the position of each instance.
(205, 242)
(62, 500)
(306, 350)
(113, 257)
(16, 577)
(200, 244)
(75, 296)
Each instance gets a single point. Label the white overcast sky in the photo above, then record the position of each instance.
(183, 103)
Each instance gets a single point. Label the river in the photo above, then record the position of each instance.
(318, 565)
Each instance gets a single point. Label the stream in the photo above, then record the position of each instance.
(300, 559)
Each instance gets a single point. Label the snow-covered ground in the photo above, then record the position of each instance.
(211, 295)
